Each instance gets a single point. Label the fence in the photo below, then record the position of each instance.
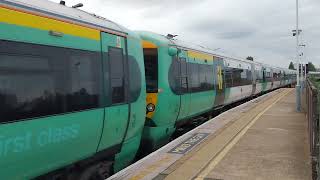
(312, 100)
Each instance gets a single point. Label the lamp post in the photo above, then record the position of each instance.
(298, 89)
(301, 55)
(301, 69)
(301, 58)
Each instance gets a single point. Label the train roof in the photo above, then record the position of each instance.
(65, 13)
(73, 15)
(214, 53)
(202, 49)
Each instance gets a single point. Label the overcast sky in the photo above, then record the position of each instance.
(241, 28)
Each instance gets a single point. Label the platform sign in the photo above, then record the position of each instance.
(188, 144)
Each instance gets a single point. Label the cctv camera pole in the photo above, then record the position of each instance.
(298, 90)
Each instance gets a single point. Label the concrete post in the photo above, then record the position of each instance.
(298, 88)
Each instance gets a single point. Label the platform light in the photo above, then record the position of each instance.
(294, 32)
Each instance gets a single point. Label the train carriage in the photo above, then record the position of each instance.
(238, 80)
(185, 80)
(72, 92)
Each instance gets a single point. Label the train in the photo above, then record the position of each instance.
(81, 95)
(184, 81)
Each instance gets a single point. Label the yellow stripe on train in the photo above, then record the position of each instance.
(197, 55)
(152, 98)
(147, 44)
(23, 19)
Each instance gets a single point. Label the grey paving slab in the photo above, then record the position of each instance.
(274, 148)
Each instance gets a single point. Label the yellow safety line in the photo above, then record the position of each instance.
(224, 152)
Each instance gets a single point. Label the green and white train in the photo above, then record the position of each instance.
(184, 81)
(80, 95)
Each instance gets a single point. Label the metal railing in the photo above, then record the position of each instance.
(313, 102)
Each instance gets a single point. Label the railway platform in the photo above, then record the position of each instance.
(264, 138)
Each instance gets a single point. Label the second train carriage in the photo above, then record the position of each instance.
(184, 80)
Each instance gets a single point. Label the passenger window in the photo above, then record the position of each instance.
(259, 76)
(38, 80)
(135, 79)
(184, 75)
(203, 77)
(249, 76)
(228, 77)
(246, 77)
(210, 77)
(194, 72)
(268, 76)
(117, 75)
(174, 76)
(206, 77)
(236, 75)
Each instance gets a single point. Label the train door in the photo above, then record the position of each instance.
(264, 75)
(184, 84)
(219, 81)
(150, 56)
(254, 78)
(116, 88)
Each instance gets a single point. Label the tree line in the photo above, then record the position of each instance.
(310, 66)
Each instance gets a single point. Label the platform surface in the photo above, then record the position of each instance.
(264, 139)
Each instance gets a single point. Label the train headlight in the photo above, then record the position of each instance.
(151, 107)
